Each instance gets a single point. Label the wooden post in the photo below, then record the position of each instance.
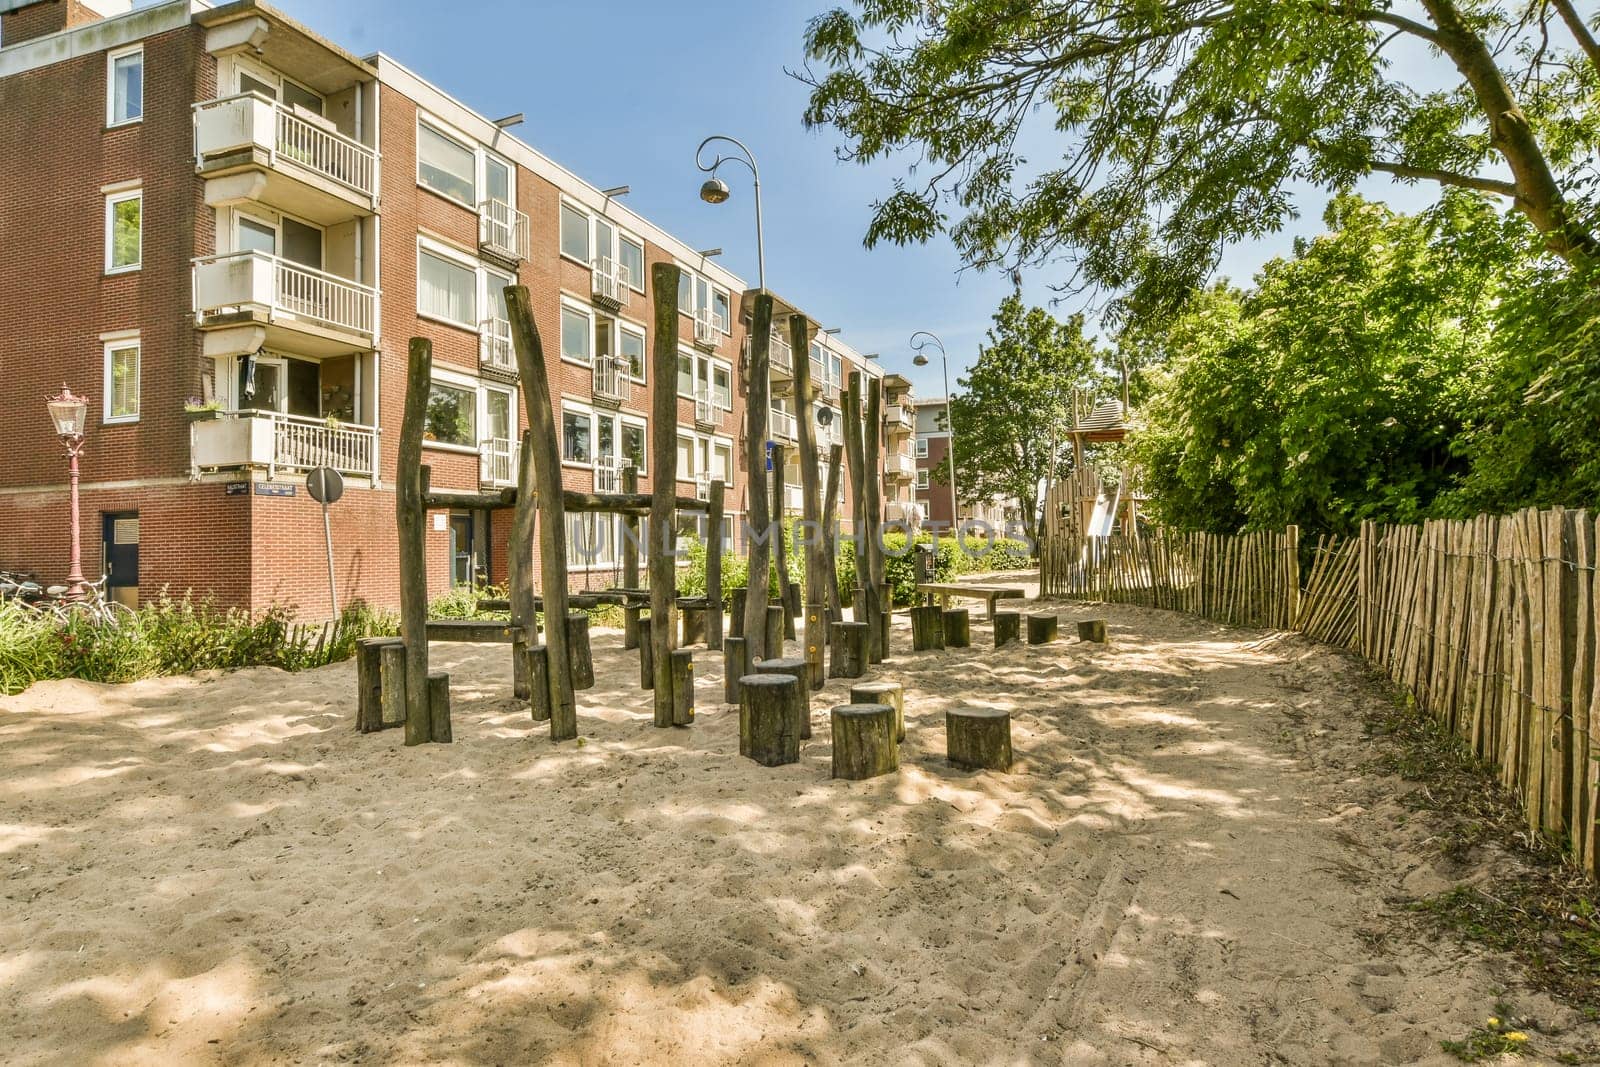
(796, 669)
(815, 599)
(890, 693)
(772, 632)
(830, 533)
(682, 668)
(758, 403)
(538, 682)
(853, 638)
(393, 677)
(578, 648)
(1042, 629)
(736, 611)
(647, 658)
(957, 628)
(767, 730)
(735, 665)
(369, 682)
(1007, 628)
(780, 539)
(872, 459)
(927, 629)
(816, 638)
(552, 522)
(439, 707)
(519, 571)
(411, 521)
(630, 556)
(1092, 630)
(713, 617)
(978, 738)
(863, 741)
(663, 496)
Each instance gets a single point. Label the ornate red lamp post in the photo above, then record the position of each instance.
(70, 414)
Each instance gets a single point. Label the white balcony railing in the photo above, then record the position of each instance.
(900, 465)
(277, 442)
(250, 120)
(502, 230)
(782, 355)
(497, 351)
(613, 282)
(497, 462)
(900, 417)
(705, 411)
(702, 485)
(612, 379)
(793, 498)
(254, 280)
(706, 329)
(783, 426)
(608, 475)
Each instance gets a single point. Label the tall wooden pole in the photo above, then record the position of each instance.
(552, 516)
(830, 524)
(872, 457)
(663, 488)
(758, 406)
(519, 578)
(816, 598)
(780, 462)
(714, 565)
(411, 520)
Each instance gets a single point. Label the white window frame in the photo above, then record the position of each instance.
(711, 383)
(460, 380)
(273, 220)
(440, 250)
(485, 157)
(629, 326)
(588, 217)
(572, 304)
(449, 133)
(642, 424)
(922, 448)
(693, 438)
(925, 478)
(636, 284)
(121, 342)
(618, 235)
(719, 444)
(561, 429)
(612, 523)
(122, 196)
(112, 56)
(510, 392)
(727, 322)
(265, 74)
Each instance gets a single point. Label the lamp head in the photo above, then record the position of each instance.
(714, 191)
(919, 360)
(68, 411)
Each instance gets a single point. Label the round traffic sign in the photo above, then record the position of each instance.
(325, 485)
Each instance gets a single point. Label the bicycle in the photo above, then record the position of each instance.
(95, 606)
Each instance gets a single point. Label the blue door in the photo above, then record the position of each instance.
(119, 538)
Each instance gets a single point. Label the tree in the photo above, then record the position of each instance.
(1018, 390)
(1185, 123)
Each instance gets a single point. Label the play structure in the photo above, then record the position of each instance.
(1085, 505)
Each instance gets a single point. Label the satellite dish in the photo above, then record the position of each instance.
(825, 417)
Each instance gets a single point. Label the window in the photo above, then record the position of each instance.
(697, 295)
(274, 86)
(633, 445)
(577, 437)
(722, 461)
(499, 180)
(722, 385)
(630, 346)
(576, 335)
(124, 231)
(631, 253)
(574, 234)
(122, 380)
(922, 448)
(686, 292)
(446, 166)
(125, 86)
(720, 312)
(452, 415)
(835, 369)
(498, 419)
(591, 540)
(685, 374)
(447, 289)
(923, 479)
(686, 451)
(494, 303)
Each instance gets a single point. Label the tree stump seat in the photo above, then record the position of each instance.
(863, 741)
(978, 738)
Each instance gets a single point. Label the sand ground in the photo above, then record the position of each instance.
(1190, 864)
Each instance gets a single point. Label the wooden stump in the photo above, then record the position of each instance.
(978, 738)
(775, 617)
(863, 740)
(538, 660)
(392, 672)
(682, 687)
(768, 732)
(890, 693)
(816, 640)
(796, 669)
(927, 629)
(647, 655)
(735, 665)
(789, 631)
(630, 626)
(957, 628)
(736, 612)
(885, 622)
(369, 682)
(1042, 629)
(693, 611)
(439, 708)
(836, 654)
(1007, 628)
(578, 651)
(853, 648)
(519, 668)
(1092, 630)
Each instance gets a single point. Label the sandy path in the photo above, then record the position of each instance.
(219, 869)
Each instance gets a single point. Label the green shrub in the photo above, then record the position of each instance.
(462, 603)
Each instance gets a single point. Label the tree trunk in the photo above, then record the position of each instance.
(927, 629)
(1042, 629)
(538, 682)
(890, 693)
(663, 498)
(519, 554)
(1007, 628)
(853, 639)
(735, 665)
(682, 686)
(582, 657)
(647, 655)
(757, 405)
(768, 732)
(411, 520)
(630, 556)
(863, 741)
(978, 738)
(957, 628)
(796, 669)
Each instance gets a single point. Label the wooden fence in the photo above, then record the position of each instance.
(1492, 624)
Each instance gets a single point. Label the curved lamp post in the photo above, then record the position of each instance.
(715, 191)
(69, 412)
(920, 340)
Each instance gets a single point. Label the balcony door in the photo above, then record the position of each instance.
(281, 384)
(254, 78)
(293, 240)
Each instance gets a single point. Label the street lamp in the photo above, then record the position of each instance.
(950, 424)
(70, 412)
(716, 191)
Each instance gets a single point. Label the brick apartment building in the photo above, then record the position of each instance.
(228, 231)
(931, 446)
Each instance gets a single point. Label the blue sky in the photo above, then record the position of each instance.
(622, 92)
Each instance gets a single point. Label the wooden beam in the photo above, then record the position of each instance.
(714, 566)
(872, 458)
(815, 607)
(552, 514)
(757, 408)
(572, 500)
(410, 519)
(664, 474)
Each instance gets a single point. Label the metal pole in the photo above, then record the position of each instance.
(333, 589)
(75, 579)
(755, 172)
(949, 418)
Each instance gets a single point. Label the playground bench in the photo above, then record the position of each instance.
(986, 593)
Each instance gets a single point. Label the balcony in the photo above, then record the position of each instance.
(900, 419)
(502, 231)
(613, 384)
(783, 426)
(498, 460)
(307, 310)
(497, 354)
(705, 411)
(899, 467)
(613, 283)
(277, 443)
(608, 475)
(782, 356)
(793, 498)
(251, 147)
(706, 330)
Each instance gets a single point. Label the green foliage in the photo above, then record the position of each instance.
(1183, 126)
(950, 561)
(173, 636)
(461, 602)
(1021, 386)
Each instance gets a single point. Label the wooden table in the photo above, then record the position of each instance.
(989, 594)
